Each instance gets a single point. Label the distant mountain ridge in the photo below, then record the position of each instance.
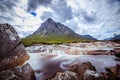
(88, 37)
(116, 37)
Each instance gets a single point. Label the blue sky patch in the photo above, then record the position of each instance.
(33, 13)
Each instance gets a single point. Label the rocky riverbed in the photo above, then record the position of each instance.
(48, 60)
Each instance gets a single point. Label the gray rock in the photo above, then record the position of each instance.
(24, 72)
(81, 68)
(12, 51)
(92, 75)
(79, 71)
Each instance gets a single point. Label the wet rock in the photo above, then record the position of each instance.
(117, 52)
(117, 59)
(24, 72)
(112, 73)
(117, 49)
(80, 68)
(100, 52)
(67, 75)
(79, 71)
(72, 51)
(85, 71)
(12, 51)
(92, 75)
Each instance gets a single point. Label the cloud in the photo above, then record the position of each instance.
(6, 10)
(96, 17)
(89, 18)
(15, 13)
(46, 14)
(99, 18)
(34, 4)
(62, 10)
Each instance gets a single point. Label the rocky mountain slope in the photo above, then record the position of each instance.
(50, 27)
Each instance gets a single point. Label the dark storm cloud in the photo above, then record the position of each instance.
(8, 1)
(44, 2)
(60, 8)
(46, 15)
(63, 11)
(6, 10)
(7, 4)
(85, 17)
(118, 11)
(6, 18)
(34, 4)
(89, 18)
(113, 1)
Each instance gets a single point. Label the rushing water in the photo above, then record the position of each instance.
(46, 60)
(46, 65)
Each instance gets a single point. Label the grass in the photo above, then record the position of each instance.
(52, 39)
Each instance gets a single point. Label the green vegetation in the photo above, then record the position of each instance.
(52, 39)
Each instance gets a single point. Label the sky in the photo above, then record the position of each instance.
(98, 18)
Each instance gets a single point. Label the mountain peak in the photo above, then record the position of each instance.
(50, 20)
(50, 27)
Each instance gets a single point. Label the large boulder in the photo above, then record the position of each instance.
(24, 72)
(79, 71)
(92, 75)
(117, 51)
(112, 73)
(85, 71)
(81, 68)
(12, 51)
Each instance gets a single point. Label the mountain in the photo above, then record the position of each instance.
(115, 38)
(50, 27)
(107, 39)
(88, 37)
(53, 32)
